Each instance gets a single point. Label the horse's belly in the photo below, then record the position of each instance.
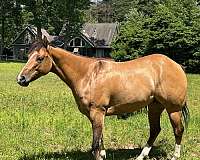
(131, 94)
(128, 107)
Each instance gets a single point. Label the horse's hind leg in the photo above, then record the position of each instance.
(175, 118)
(154, 111)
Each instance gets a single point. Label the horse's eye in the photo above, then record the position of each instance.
(39, 59)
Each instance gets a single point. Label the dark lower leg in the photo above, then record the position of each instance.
(154, 112)
(178, 128)
(175, 119)
(97, 120)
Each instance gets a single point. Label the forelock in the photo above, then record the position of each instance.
(36, 46)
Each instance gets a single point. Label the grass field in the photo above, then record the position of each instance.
(43, 122)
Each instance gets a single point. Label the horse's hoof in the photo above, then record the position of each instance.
(174, 158)
(103, 154)
(140, 158)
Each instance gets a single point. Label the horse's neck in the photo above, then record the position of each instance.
(69, 67)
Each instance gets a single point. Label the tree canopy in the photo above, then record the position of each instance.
(10, 20)
(48, 14)
(173, 29)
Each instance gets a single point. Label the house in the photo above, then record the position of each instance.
(22, 42)
(94, 40)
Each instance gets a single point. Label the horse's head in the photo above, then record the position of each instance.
(39, 63)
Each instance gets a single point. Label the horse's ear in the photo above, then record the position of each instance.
(45, 42)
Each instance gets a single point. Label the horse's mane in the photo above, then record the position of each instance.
(36, 46)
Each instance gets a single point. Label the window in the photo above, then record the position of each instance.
(83, 43)
(27, 38)
(77, 42)
(71, 43)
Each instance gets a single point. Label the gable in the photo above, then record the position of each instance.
(25, 37)
(79, 41)
(28, 35)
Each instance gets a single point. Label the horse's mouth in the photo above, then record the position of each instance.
(24, 84)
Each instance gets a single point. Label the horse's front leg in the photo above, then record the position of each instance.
(97, 115)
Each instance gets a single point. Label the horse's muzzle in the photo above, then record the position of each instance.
(22, 81)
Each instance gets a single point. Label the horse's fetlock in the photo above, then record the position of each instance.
(179, 131)
(95, 147)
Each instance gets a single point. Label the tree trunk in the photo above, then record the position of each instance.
(39, 32)
(2, 36)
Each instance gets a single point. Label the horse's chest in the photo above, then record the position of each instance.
(87, 95)
(88, 90)
(83, 100)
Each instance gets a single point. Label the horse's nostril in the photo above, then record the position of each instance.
(22, 79)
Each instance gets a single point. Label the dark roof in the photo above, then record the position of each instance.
(100, 34)
(44, 33)
(97, 34)
(33, 30)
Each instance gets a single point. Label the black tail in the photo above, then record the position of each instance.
(186, 115)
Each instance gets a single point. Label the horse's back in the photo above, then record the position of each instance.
(169, 78)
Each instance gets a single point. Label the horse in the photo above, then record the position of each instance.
(104, 88)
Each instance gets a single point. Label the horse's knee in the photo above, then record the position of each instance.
(179, 131)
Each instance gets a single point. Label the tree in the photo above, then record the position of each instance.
(54, 14)
(10, 20)
(172, 29)
(68, 13)
(121, 8)
(100, 12)
(38, 9)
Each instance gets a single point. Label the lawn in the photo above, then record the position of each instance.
(43, 122)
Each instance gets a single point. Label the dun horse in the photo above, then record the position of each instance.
(103, 88)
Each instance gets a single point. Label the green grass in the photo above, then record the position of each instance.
(43, 122)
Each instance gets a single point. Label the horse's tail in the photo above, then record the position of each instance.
(186, 115)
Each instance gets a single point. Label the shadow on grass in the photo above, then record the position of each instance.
(13, 61)
(118, 154)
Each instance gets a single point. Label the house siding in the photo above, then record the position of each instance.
(22, 44)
